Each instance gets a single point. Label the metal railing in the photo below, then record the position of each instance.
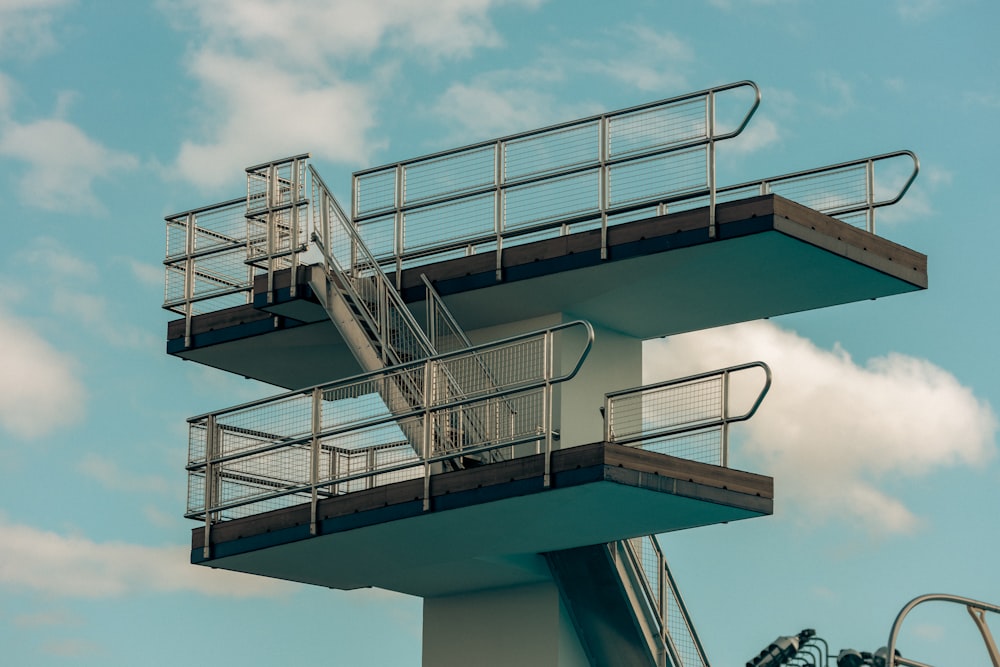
(582, 171)
(662, 598)
(335, 438)
(353, 268)
(977, 610)
(688, 417)
(205, 265)
(848, 191)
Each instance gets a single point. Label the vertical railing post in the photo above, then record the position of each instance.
(724, 454)
(189, 275)
(547, 407)
(210, 490)
(398, 231)
(870, 195)
(608, 407)
(604, 180)
(425, 446)
(710, 121)
(272, 227)
(293, 244)
(499, 177)
(316, 426)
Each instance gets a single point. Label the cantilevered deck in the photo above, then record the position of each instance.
(488, 524)
(662, 275)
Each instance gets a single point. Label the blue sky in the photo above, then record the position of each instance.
(114, 114)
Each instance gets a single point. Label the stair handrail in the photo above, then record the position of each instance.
(207, 459)
(658, 602)
(388, 297)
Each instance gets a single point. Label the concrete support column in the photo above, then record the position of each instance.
(522, 625)
(615, 363)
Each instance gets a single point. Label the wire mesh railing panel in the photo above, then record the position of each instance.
(665, 408)
(551, 200)
(680, 631)
(372, 429)
(703, 446)
(455, 222)
(450, 175)
(276, 184)
(658, 177)
(253, 427)
(195, 492)
(648, 556)
(379, 234)
(485, 372)
(553, 151)
(375, 191)
(547, 177)
(659, 127)
(289, 231)
(828, 191)
(489, 423)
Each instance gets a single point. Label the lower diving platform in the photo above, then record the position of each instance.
(486, 525)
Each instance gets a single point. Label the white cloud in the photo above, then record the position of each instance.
(111, 476)
(63, 164)
(273, 73)
(655, 61)
(833, 432)
(41, 391)
(840, 92)
(919, 10)
(68, 279)
(916, 203)
(266, 112)
(26, 26)
(76, 567)
(760, 133)
(490, 107)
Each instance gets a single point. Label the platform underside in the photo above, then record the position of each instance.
(661, 276)
(487, 525)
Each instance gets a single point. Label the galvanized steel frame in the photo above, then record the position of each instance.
(721, 422)
(427, 456)
(501, 184)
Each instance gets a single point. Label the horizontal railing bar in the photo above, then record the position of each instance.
(413, 365)
(198, 254)
(172, 305)
(595, 165)
(576, 122)
(834, 167)
(272, 163)
(375, 421)
(292, 490)
(203, 209)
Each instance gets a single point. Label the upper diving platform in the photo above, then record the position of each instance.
(673, 258)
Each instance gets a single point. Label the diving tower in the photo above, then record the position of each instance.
(463, 415)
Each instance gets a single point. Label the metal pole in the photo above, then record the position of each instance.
(210, 492)
(317, 421)
(870, 194)
(189, 270)
(604, 197)
(712, 232)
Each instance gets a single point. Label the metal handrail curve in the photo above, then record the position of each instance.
(970, 604)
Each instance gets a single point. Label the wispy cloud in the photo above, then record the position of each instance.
(26, 26)
(41, 391)
(62, 164)
(278, 72)
(919, 10)
(111, 476)
(73, 288)
(655, 61)
(833, 431)
(69, 566)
